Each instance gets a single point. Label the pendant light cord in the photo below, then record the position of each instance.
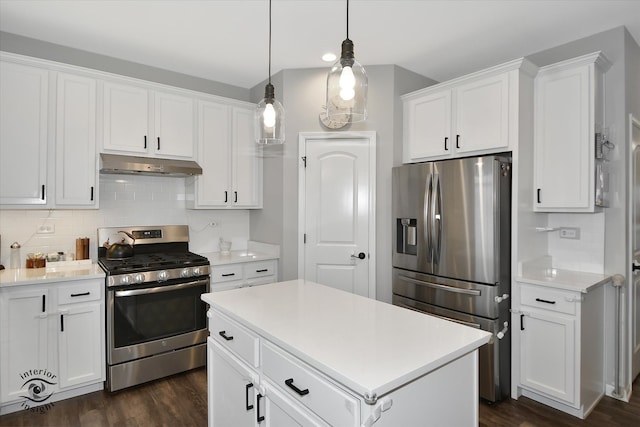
(269, 41)
(347, 18)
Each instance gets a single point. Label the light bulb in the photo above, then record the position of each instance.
(347, 84)
(269, 116)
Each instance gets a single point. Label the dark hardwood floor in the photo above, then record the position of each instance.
(181, 400)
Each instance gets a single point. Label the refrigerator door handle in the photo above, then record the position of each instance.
(428, 189)
(436, 220)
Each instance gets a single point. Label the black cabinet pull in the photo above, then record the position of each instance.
(546, 301)
(84, 294)
(289, 383)
(264, 270)
(446, 139)
(259, 418)
(522, 322)
(235, 200)
(145, 142)
(538, 195)
(43, 193)
(223, 334)
(246, 397)
(457, 141)
(43, 302)
(228, 274)
(92, 193)
(62, 323)
(225, 197)
(158, 143)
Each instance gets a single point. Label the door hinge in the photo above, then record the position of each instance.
(304, 159)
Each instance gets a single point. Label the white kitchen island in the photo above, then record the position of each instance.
(299, 353)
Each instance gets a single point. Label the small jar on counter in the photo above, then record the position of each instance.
(14, 256)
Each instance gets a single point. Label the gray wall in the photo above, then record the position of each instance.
(40, 49)
(622, 98)
(302, 93)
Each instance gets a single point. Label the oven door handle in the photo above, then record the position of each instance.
(133, 292)
(446, 288)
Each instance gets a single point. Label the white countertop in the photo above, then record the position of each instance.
(367, 345)
(33, 276)
(567, 280)
(234, 257)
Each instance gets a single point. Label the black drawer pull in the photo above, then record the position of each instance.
(259, 418)
(264, 270)
(246, 397)
(223, 334)
(289, 383)
(545, 301)
(228, 274)
(446, 139)
(84, 294)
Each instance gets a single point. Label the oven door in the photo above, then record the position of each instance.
(144, 320)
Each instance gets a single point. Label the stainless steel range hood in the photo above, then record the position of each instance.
(131, 165)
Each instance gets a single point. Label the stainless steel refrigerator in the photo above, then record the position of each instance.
(452, 251)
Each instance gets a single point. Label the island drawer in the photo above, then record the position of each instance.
(260, 269)
(234, 337)
(80, 292)
(325, 399)
(548, 299)
(226, 273)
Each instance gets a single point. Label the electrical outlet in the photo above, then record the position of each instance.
(570, 233)
(46, 229)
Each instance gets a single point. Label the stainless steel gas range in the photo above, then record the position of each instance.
(156, 321)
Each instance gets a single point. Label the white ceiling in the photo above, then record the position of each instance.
(227, 41)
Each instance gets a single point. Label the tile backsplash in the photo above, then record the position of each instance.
(124, 201)
(584, 254)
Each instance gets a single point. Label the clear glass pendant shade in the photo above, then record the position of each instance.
(269, 119)
(347, 84)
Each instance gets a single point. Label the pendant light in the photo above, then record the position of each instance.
(269, 114)
(347, 86)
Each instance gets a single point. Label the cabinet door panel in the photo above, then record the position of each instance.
(76, 141)
(231, 389)
(561, 149)
(214, 185)
(247, 161)
(547, 355)
(482, 115)
(23, 134)
(126, 118)
(80, 345)
(174, 124)
(24, 339)
(427, 123)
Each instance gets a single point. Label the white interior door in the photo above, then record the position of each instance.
(635, 244)
(336, 211)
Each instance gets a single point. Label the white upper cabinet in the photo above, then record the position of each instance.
(569, 111)
(76, 171)
(147, 122)
(230, 159)
(474, 114)
(23, 134)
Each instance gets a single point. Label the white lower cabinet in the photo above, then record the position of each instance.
(561, 349)
(254, 273)
(57, 330)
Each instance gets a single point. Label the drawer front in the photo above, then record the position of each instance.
(81, 292)
(234, 337)
(259, 269)
(325, 399)
(260, 281)
(226, 273)
(548, 299)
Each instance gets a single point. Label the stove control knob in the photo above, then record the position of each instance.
(162, 276)
(195, 271)
(185, 272)
(139, 278)
(125, 280)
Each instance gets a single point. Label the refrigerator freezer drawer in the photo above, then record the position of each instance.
(473, 298)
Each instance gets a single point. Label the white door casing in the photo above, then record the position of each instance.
(337, 210)
(635, 245)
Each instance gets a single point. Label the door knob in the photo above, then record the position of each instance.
(361, 255)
